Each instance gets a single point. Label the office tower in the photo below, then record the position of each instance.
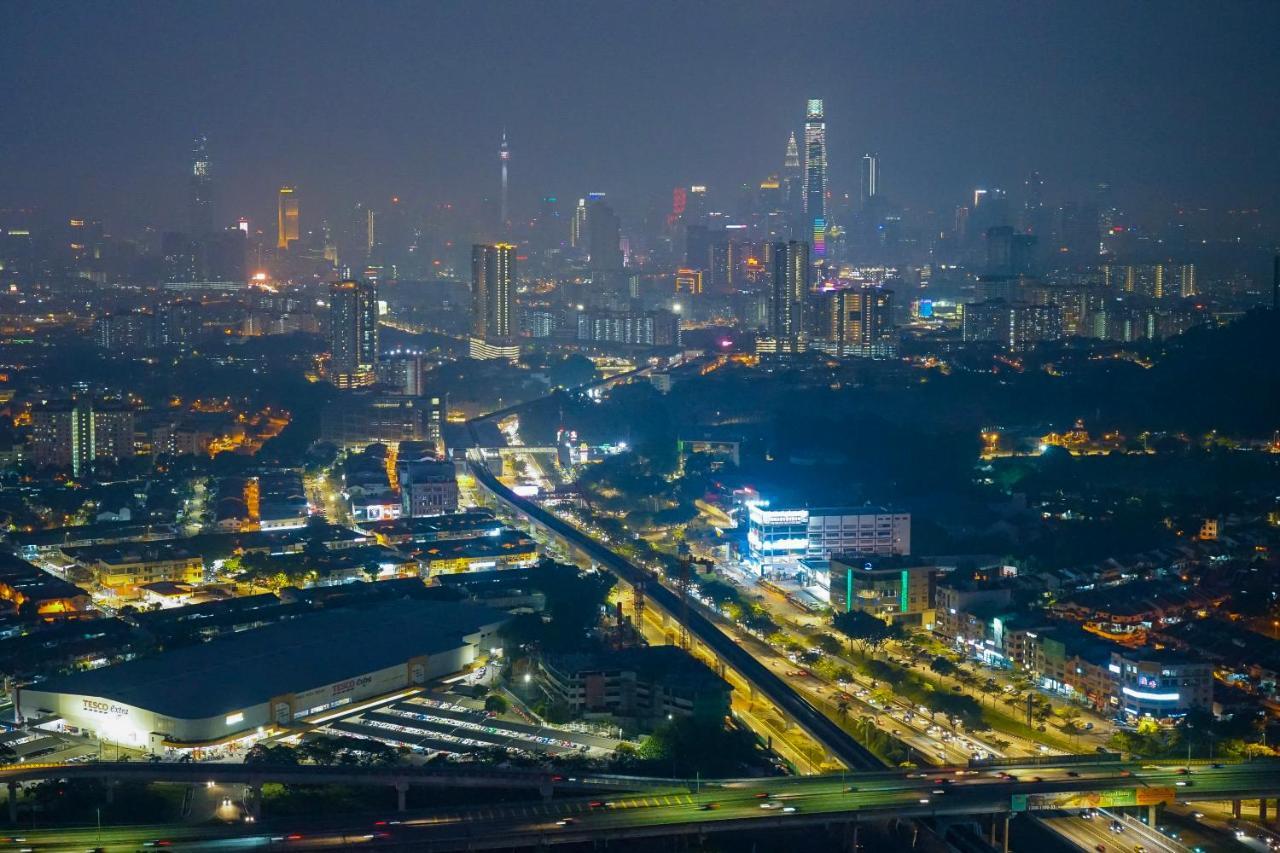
(696, 205)
(1035, 216)
(547, 228)
(870, 178)
(578, 226)
(353, 333)
(604, 237)
(493, 302)
(201, 189)
(815, 175)
(790, 290)
(504, 157)
(791, 161)
(286, 218)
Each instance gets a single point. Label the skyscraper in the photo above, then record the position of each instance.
(604, 236)
(789, 292)
(578, 225)
(286, 218)
(353, 333)
(791, 162)
(815, 174)
(493, 301)
(201, 213)
(504, 156)
(870, 178)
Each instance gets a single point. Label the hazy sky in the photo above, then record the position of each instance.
(361, 100)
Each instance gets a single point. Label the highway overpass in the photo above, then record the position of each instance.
(758, 804)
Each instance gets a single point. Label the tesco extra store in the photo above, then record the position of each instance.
(234, 687)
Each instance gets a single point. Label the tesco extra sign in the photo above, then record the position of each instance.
(350, 684)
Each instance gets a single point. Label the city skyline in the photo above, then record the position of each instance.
(937, 137)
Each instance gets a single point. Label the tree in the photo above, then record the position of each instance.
(496, 704)
(828, 644)
(868, 631)
(942, 666)
(271, 756)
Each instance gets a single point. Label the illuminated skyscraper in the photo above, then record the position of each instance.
(815, 161)
(493, 301)
(504, 156)
(789, 292)
(353, 333)
(201, 189)
(791, 162)
(286, 218)
(870, 178)
(578, 225)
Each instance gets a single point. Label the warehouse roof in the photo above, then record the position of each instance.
(248, 668)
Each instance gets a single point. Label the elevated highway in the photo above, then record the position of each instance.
(837, 742)
(735, 806)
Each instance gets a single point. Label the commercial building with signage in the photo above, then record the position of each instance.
(895, 589)
(235, 686)
(778, 538)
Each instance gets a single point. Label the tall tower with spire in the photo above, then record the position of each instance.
(791, 163)
(815, 174)
(504, 157)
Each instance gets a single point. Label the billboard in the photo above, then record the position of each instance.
(1092, 799)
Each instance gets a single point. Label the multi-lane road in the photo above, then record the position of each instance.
(824, 730)
(726, 805)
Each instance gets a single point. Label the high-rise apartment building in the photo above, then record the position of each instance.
(494, 324)
(858, 321)
(789, 292)
(1014, 326)
(73, 434)
(353, 333)
(286, 218)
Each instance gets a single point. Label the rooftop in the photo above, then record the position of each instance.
(248, 668)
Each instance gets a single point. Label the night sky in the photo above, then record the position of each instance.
(358, 101)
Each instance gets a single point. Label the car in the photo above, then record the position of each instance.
(1126, 772)
(1116, 826)
(788, 809)
(938, 792)
(1138, 848)
(566, 821)
(772, 804)
(1217, 766)
(1073, 774)
(851, 789)
(1184, 771)
(1184, 783)
(762, 795)
(1101, 848)
(596, 804)
(708, 807)
(1198, 815)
